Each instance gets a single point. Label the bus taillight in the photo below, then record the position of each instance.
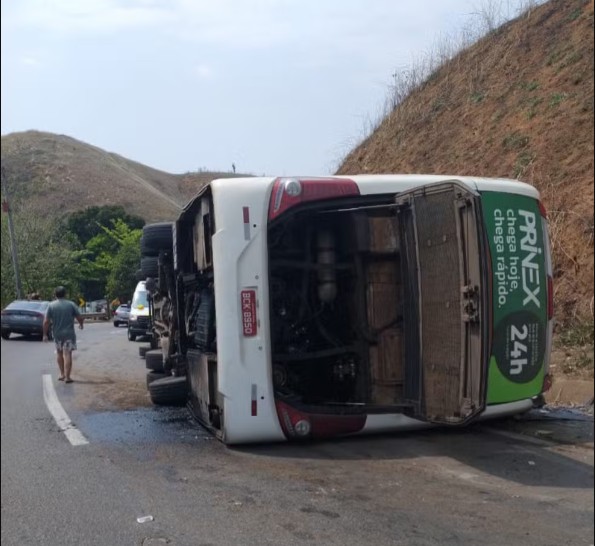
(294, 423)
(297, 424)
(289, 192)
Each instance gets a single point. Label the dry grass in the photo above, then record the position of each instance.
(518, 103)
(56, 172)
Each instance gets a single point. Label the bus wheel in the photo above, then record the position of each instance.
(154, 376)
(168, 391)
(154, 360)
(156, 237)
(149, 266)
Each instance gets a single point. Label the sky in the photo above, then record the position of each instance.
(276, 87)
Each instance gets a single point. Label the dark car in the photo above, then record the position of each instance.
(121, 314)
(24, 317)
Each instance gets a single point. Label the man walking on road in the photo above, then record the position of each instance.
(61, 314)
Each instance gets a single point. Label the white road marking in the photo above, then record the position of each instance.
(74, 435)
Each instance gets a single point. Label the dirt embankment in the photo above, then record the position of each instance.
(516, 104)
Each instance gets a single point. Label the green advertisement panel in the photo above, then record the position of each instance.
(519, 285)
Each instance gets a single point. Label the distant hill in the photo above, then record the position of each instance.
(518, 104)
(57, 172)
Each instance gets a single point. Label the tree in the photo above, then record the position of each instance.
(122, 281)
(47, 256)
(101, 234)
(88, 223)
(51, 255)
(110, 261)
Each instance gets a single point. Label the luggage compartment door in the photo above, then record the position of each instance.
(443, 258)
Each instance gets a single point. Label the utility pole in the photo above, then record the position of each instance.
(13, 243)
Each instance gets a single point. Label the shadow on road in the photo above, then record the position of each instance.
(522, 461)
(24, 337)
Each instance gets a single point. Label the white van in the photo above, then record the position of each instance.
(139, 322)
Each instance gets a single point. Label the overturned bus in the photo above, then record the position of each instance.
(296, 308)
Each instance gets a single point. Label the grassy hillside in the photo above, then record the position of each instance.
(59, 173)
(517, 104)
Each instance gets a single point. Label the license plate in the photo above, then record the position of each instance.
(248, 305)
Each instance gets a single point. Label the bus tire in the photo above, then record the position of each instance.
(154, 376)
(154, 360)
(169, 391)
(156, 237)
(131, 336)
(149, 266)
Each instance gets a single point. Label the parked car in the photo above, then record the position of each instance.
(24, 317)
(121, 315)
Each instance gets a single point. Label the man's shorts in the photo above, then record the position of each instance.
(65, 345)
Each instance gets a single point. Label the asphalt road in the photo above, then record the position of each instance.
(481, 485)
